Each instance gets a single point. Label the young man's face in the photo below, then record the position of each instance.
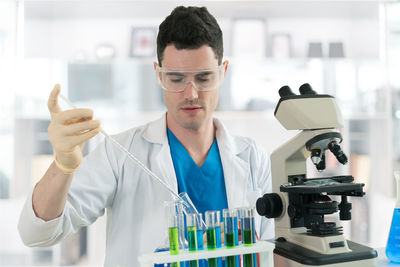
(190, 108)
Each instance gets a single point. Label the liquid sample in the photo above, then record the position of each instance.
(192, 242)
(218, 236)
(211, 245)
(248, 260)
(200, 242)
(247, 237)
(230, 243)
(211, 239)
(231, 261)
(393, 245)
(230, 240)
(173, 243)
(192, 238)
(173, 240)
(253, 230)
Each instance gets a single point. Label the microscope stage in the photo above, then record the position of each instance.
(338, 185)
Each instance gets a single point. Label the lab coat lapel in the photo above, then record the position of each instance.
(236, 170)
(156, 133)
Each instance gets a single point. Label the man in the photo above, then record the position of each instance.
(187, 148)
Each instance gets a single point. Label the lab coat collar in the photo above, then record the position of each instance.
(156, 132)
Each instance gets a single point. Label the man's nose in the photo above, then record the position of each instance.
(190, 91)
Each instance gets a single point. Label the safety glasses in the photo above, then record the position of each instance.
(177, 80)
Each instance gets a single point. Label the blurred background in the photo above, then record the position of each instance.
(101, 52)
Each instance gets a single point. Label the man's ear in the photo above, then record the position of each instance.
(225, 63)
(155, 65)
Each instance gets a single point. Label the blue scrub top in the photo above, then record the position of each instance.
(205, 185)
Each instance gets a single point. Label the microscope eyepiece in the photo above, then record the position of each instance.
(306, 89)
(285, 91)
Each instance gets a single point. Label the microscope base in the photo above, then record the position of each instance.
(287, 254)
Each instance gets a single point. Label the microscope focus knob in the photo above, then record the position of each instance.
(269, 205)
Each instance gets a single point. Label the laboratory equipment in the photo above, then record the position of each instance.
(175, 224)
(393, 244)
(229, 231)
(247, 235)
(265, 249)
(218, 240)
(298, 203)
(200, 235)
(192, 236)
(200, 231)
(188, 204)
(211, 223)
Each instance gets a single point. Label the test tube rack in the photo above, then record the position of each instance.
(264, 248)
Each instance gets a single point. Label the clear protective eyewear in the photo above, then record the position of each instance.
(177, 80)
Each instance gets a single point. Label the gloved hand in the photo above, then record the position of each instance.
(68, 132)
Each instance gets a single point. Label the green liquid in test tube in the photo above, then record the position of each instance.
(173, 219)
(192, 236)
(211, 239)
(173, 243)
(211, 221)
(173, 240)
(247, 235)
(229, 231)
(230, 240)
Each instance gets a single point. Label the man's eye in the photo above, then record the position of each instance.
(203, 80)
(176, 80)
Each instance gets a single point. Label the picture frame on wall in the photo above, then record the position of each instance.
(143, 42)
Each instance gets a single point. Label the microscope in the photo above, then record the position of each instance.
(298, 203)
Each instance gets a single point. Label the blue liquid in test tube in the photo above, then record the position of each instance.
(218, 234)
(254, 240)
(237, 240)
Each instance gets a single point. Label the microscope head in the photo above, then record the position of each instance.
(307, 111)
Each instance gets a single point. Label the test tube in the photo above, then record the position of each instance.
(229, 231)
(192, 236)
(253, 230)
(218, 229)
(199, 229)
(211, 223)
(247, 235)
(173, 229)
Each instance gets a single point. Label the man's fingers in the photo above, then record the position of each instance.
(74, 115)
(79, 139)
(52, 103)
(81, 127)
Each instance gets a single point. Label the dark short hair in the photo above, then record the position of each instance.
(190, 28)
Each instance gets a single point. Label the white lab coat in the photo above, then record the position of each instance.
(109, 180)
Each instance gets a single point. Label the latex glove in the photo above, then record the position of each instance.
(68, 132)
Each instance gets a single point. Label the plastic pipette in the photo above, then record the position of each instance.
(132, 157)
